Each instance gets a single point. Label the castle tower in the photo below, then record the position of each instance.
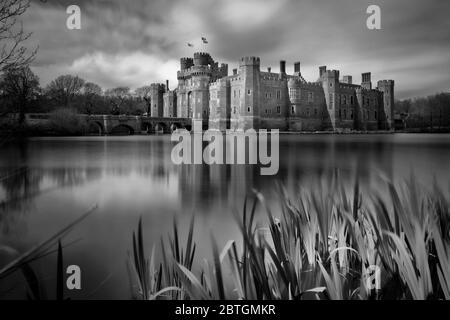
(248, 113)
(220, 105)
(198, 94)
(156, 95)
(330, 85)
(294, 97)
(170, 102)
(387, 88)
(360, 121)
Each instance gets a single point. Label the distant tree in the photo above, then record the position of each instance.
(20, 86)
(117, 98)
(91, 91)
(64, 88)
(144, 93)
(13, 53)
(91, 88)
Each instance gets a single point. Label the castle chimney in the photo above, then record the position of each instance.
(282, 66)
(366, 82)
(235, 71)
(297, 67)
(167, 85)
(269, 69)
(322, 70)
(347, 79)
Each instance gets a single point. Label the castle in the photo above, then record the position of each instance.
(252, 98)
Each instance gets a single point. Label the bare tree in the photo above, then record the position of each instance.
(117, 98)
(64, 88)
(91, 91)
(144, 93)
(20, 85)
(13, 52)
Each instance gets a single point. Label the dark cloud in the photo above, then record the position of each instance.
(138, 42)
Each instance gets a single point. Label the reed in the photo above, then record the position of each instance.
(321, 245)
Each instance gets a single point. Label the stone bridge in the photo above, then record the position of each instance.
(108, 124)
(123, 124)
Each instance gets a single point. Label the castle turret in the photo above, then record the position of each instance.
(186, 63)
(387, 89)
(202, 59)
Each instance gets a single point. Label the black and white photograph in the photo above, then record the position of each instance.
(239, 151)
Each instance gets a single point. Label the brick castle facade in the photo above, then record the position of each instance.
(252, 98)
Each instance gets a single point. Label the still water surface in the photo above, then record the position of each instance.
(48, 182)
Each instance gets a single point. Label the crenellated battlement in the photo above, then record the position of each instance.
(157, 86)
(202, 59)
(386, 82)
(186, 63)
(332, 74)
(249, 61)
(219, 83)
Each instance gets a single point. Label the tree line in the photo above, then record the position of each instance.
(431, 112)
(21, 93)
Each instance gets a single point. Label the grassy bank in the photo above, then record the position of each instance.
(322, 245)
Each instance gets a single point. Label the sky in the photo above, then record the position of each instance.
(137, 42)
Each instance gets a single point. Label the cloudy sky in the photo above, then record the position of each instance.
(137, 42)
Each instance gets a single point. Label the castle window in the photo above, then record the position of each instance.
(278, 94)
(249, 92)
(351, 114)
(278, 109)
(345, 113)
(331, 84)
(249, 109)
(330, 106)
(265, 111)
(293, 93)
(351, 100)
(310, 97)
(234, 93)
(376, 115)
(316, 111)
(234, 110)
(292, 109)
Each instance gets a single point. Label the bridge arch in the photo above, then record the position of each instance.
(147, 127)
(161, 127)
(122, 129)
(95, 127)
(174, 126)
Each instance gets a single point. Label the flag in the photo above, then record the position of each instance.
(204, 40)
(190, 44)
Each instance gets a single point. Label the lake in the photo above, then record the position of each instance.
(45, 183)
